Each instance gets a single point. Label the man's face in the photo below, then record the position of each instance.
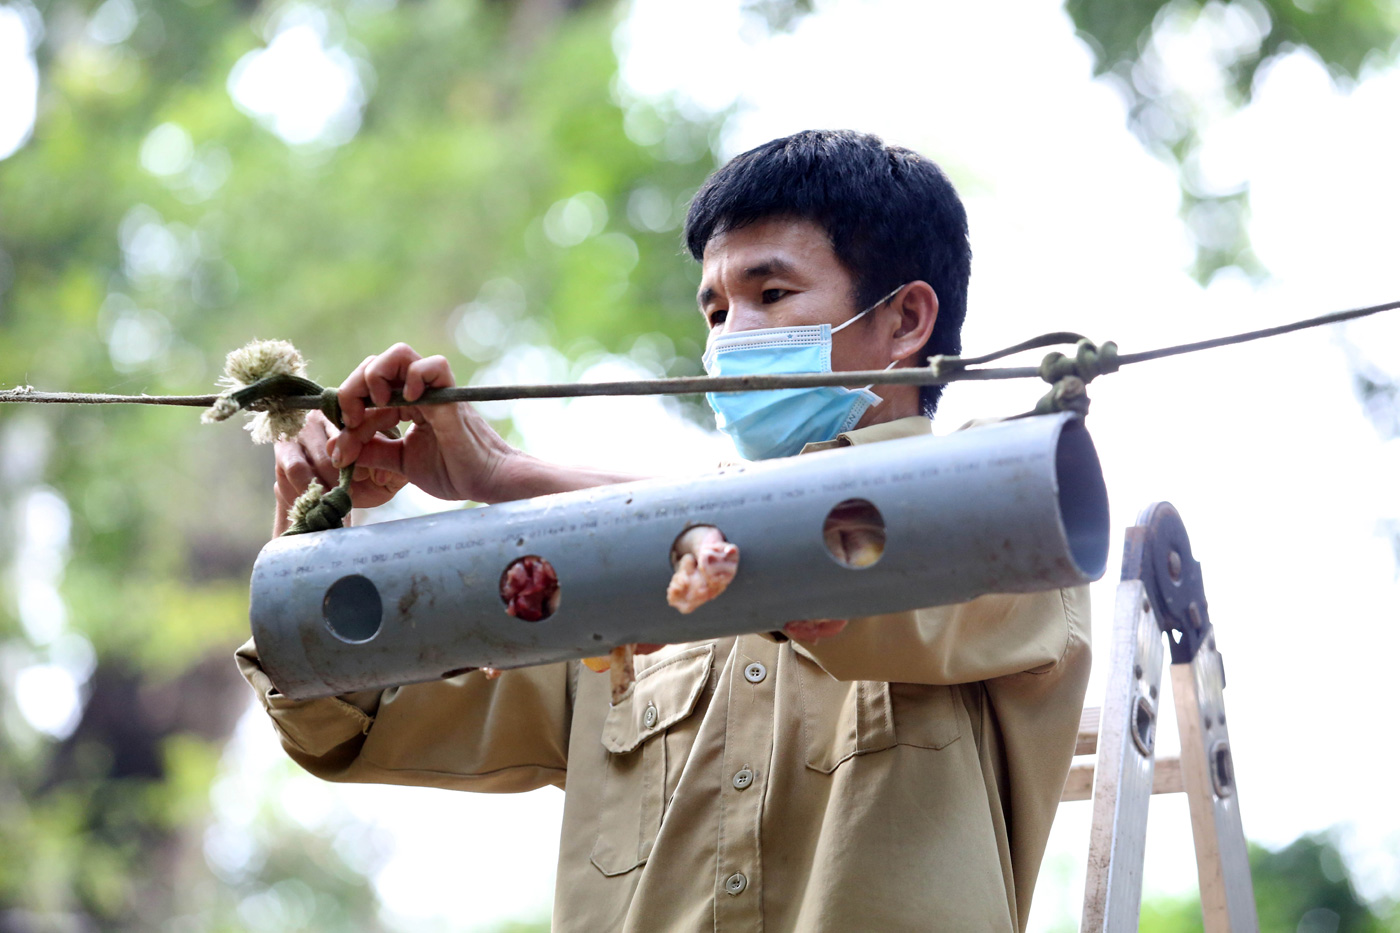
(783, 273)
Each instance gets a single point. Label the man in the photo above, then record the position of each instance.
(891, 773)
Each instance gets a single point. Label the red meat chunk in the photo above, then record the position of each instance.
(530, 589)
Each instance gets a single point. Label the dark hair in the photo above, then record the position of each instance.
(892, 216)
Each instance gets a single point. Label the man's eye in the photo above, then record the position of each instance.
(718, 317)
(771, 295)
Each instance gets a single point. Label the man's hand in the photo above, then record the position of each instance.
(305, 458)
(450, 451)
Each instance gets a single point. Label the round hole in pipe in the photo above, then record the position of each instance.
(530, 588)
(1083, 499)
(854, 533)
(352, 609)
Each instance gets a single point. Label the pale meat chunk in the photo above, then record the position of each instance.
(621, 672)
(853, 537)
(704, 565)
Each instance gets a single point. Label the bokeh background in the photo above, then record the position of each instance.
(503, 181)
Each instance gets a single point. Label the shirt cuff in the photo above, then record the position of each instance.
(313, 727)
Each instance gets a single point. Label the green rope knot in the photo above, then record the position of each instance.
(320, 510)
(263, 396)
(268, 390)
(1088, 361)
(330, 406)
(257, 377)
(1067, 395)
(1068, 376)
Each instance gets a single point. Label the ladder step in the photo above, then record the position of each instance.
(1087, 742)
(1166, 779)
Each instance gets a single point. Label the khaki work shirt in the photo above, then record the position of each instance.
(902, 775)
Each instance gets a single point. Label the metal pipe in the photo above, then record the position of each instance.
(1013, 507)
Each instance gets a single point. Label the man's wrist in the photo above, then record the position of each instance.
(510, 475)
(518, 475)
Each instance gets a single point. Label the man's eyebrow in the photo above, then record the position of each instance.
(772, 266)
(762, 270)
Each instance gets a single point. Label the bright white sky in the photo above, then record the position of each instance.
(1264, 449)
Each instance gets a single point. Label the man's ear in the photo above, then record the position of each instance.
(917, 306)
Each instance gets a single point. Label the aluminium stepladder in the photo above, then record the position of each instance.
(1161, 595)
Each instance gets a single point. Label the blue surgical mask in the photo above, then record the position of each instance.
(780, 422)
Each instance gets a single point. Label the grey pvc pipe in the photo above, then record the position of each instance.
(1013, 507)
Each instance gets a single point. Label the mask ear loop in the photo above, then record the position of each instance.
(844, 325)
(878, 398)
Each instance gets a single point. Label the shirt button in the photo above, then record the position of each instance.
(743, 778)
(649, 717)
(755, 673)
(735, 884)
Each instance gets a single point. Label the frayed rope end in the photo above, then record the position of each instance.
(242, 367)
(321, 509)
(296, 515)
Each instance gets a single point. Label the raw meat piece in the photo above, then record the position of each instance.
(622, 673)
(619, 663)
(530, 589)
(704, 565)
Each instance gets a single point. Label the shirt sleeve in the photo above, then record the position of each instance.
(989, 637)
(464, 733)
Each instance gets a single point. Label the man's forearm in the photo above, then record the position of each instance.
(522, 476)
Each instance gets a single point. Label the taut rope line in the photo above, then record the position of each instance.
(940, 371)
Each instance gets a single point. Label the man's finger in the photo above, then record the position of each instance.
(293, 468)
(313, 445)
(381, 453)
(345, 447)
(351, 395)
(388, 371)
(428, 372)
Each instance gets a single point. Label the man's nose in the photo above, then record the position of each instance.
(744, 316)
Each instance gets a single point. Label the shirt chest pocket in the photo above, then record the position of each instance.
(842, 719)
(637, 738)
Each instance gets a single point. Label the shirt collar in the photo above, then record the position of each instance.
(912, 426)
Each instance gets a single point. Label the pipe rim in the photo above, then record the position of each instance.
(1082, 498)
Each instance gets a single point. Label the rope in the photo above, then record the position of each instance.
(316, 509)
(941, 370)
(1068, 375)
(261, 374)
(268, 392)
(319, 510)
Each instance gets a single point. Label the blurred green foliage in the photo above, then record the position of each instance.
(1301, 888)
(487, 185)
